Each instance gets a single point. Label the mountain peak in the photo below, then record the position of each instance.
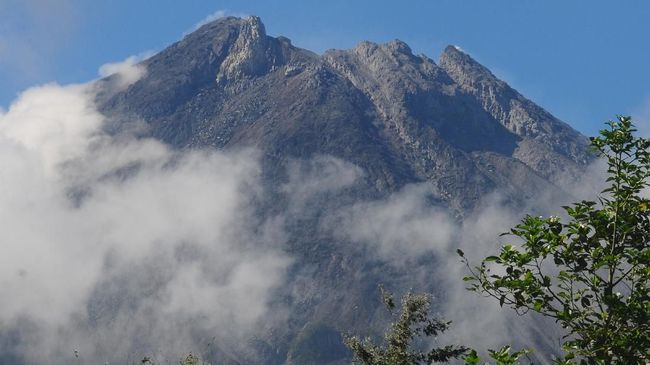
(396, 118)
(252, 23)
(254, 27)
(228, 32)
(422, 108)
(365, 47)
(462, 67)
(518, 114)
(251, 53)
(398, 46)
(214, 27)
(453, 49)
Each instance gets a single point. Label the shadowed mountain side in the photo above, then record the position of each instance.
(549, 146)
(399, 118)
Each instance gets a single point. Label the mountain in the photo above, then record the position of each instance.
(401, 118)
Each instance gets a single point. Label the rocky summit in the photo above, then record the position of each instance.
(401, 119)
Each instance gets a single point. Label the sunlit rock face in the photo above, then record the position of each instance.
(340, 130)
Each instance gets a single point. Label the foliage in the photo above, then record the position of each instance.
(591, 272)
(501, 357)
(412, 323)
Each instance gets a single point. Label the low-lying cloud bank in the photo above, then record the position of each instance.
(117, 247)
(405, 227)
(113, 245)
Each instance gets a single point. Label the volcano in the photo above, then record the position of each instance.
(402, 121)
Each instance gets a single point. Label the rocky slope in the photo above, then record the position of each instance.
(399, 117)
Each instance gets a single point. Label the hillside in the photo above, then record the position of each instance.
(376, 123)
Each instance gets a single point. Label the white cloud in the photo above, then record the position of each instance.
(125, 72)
(39, 121)
(405, 226)
(110, 241)
(123, 245)
(212, 17)
(401, 227)
(313, 179)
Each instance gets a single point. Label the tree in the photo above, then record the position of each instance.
(413, 323)
(591, 272)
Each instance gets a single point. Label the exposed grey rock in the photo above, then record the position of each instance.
(547, 145)
(399, 117)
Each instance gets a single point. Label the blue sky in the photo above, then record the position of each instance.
(584, 61)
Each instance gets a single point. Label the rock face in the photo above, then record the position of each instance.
(400, 117)
(541, 134)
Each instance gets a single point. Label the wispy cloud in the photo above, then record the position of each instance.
(401, 227)
(212, 17)
(405, 227)
(125, 72)
(121, 245)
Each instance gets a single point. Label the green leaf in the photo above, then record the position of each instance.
(590, 274)
(471, 358)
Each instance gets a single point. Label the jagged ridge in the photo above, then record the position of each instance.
(401, 117)
(431, 121)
